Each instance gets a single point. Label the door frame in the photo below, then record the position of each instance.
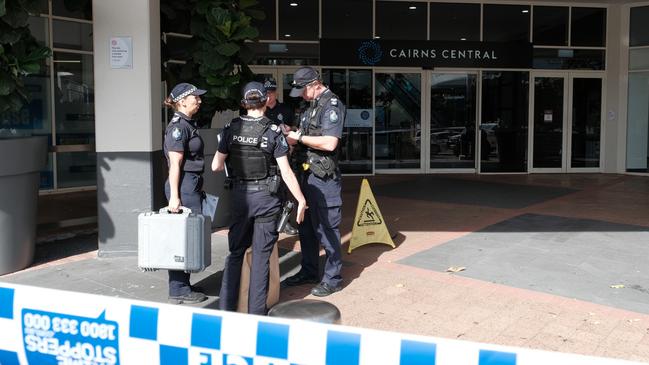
(568, 99)
(602, 131)
(424, 128)
(428, 110)
(565, 158)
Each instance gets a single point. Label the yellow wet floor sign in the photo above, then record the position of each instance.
(369, 225)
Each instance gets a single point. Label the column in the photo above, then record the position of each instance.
(128, 98)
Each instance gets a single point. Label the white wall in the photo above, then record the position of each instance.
(128, 101)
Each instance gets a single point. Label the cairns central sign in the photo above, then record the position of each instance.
(426, 54)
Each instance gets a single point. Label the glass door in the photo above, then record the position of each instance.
(585, 123)
(548, 119)
(453, 115)
(398, 116)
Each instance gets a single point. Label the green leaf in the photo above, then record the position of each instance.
(220, 92)
(37, 55)
(7, 84)
(244, 4)
(227, 49)
(31, 68)
(16, 16)
(221, 19)
(245, 33)
(9, 36)
(256, 14)
(3, 8)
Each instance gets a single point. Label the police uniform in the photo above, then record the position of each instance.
(280, 114)
(321, 185)
(252, 146)
(181, 135)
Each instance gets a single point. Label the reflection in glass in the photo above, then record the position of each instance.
(550, 25)
(638, 30)
(80, 9)
(397, 120)
(452, 121)
(639, 59)
(47, 175)
(38, 28)
(569, 59)
(401, 20)
(506, 23)
(266, 27)
(299, 22)
(548, 122)
(637, 153)
(75, 169)
(354, 88)
(74, 98)
(285, 53)
(454, 22)
(588, 27)
(72, 35)
(586, 122)
(503, 132)
(347, 19)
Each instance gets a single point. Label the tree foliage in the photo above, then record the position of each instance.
(20, 53)
(219, 56)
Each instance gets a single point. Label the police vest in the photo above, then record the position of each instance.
(246, 158)
(322, 163)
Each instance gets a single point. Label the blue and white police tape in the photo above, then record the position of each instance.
(45, 326)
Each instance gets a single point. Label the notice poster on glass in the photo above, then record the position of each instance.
(121, 52)
(359, 118)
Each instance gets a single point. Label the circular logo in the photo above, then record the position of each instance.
(370, 53)
(365, 115)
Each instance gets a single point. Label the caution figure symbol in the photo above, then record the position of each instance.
(369, 227)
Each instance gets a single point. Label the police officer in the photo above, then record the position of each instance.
(255, 151)
(282, 116)
(183, 148)
(318, 140)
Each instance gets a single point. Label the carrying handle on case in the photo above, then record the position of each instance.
(183, 210)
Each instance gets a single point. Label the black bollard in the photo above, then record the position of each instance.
(307, 309)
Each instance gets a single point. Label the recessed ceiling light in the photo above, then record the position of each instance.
(377, 37)
(525, 11)
(412, 7)
(287, 35)
(293, 4)
(463, 39)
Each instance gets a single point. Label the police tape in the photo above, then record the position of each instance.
(46, 326)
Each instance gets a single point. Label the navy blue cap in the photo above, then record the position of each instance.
(254, 90)
(302, 77)
(270, 84)
(184, 89)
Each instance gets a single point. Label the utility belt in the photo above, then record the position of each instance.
(320, 165)
(270, 184)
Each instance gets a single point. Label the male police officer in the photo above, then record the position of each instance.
(318, 140)
(282, 116)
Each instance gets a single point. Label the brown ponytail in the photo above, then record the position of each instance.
(169, 103)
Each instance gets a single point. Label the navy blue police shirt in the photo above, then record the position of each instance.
(181, 135)
(280, 114)
(272, 141)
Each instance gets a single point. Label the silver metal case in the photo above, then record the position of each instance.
(174, 241)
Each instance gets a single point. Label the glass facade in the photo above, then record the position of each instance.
(454, 22)
(637, 140)
(62, 95)
(401, 20)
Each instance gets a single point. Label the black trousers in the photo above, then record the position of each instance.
(254, 223)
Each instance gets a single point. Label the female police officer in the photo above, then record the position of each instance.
(183, 148)
(256, 152)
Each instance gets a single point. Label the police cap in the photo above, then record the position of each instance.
(184, 89)
(254, 91)
(270, 84)
(302, 77)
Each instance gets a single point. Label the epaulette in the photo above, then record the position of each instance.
(333, 101)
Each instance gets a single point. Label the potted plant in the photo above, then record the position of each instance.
(24, 156)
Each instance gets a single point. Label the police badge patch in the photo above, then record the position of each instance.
(282, 141)
(333, 116)
(280, 117)
(177, 134)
